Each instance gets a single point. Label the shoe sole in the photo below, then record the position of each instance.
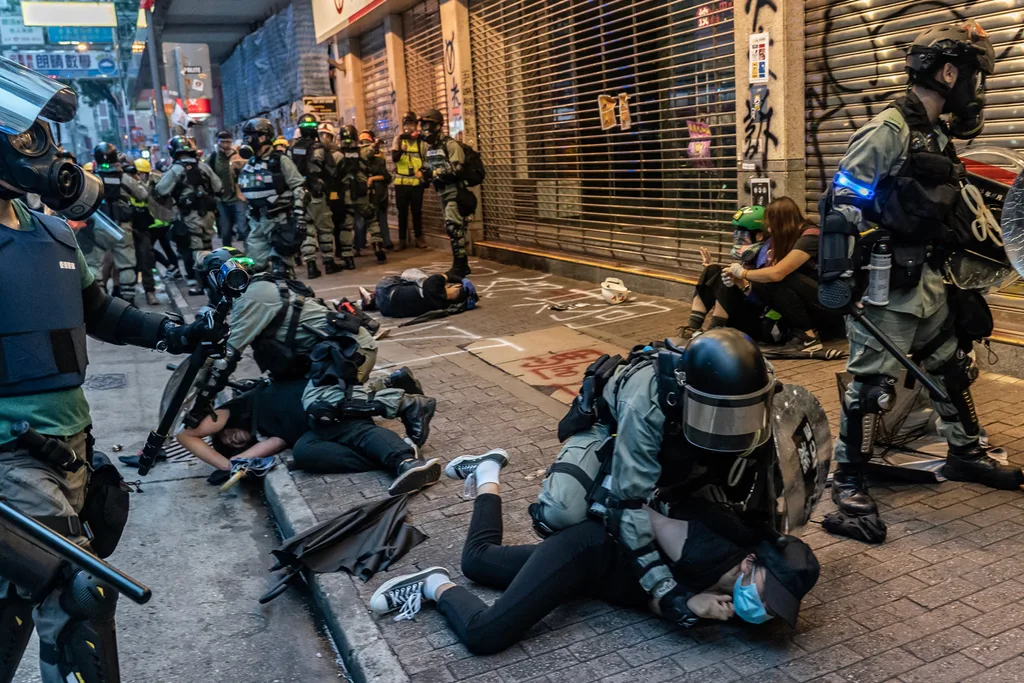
(417, 478)
(411, 578)
(431, 409)
(498, 454)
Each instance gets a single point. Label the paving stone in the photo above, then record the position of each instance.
(881, 667)
(997, 649)
(997, 620)
(951, 669)
(942, 644)
(593, 670)
(820, 663)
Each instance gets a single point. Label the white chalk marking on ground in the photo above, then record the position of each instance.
(502, 342)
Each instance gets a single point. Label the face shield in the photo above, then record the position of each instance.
(734, 424)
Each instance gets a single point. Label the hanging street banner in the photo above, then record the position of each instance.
(65, 64)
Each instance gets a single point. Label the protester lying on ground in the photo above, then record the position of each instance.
(414, 293)
(771, 292)
(722, 579)
(274, 410)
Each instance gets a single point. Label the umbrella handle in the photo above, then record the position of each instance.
(280, 587)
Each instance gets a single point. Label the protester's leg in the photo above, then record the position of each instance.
(317, 451)
(794, 298)
(225, 222)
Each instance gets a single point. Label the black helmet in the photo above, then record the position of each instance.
(726, 391)
(258, 133)
(348, 135)
(432, 115)
(410, 117)
(208, 266)
(179, 146)
(308, 124)
(105, 153)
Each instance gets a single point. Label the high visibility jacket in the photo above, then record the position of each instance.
(410, 161)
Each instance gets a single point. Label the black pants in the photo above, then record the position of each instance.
(168, 258)
(382, 221)
(145, 258)
(184, 244)
(355, 445)
(744, 314)
(581, 561)
(409, 199)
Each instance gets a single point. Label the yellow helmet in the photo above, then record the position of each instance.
(143, 166)
(280, 141)
(89, 166)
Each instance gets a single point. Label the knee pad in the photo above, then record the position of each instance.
(86, 648)
(877, 395)
(864, 528)
(958, 374)
(86, 598)
(15, 631)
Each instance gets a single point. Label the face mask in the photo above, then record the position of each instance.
(966, 102)
(31, 162)
(740, 240)
(747, 602)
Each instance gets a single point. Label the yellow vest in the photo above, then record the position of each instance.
(409, 163)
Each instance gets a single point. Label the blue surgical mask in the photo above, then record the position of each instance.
(747, 602)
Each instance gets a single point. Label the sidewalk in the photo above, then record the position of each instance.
(940, 601)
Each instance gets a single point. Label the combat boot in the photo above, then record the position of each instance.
(378, 250)
(459, 270)
(850, 492)
(403, 379)
(421, 242)
(348, 263)
(973, 464)
(151, 299)
(415, 412)
(312, 272)
(331, 267)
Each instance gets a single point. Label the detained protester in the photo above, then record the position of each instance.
(44, 327)
(414, 293)
(274, 411)
(899, 190)
(756, 580)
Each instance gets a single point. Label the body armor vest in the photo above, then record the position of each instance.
(42, 320)
(349, 165)
(263, 186)
(302, 152)
(112, 194)
(437, 158)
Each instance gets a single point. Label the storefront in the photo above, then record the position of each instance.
(608, 130)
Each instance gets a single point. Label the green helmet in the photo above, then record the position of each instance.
(749, 218)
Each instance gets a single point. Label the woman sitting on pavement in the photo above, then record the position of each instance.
(773, 287)
(274, 410)
(756, 584)
(414, 293)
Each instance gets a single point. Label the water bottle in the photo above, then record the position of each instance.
(878, 277)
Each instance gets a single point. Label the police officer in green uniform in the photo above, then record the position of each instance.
(369, 181)
(316, 164)
(442, 163)
(118, 188)
(193, 187)
(901, 174)
(276, 193)
(408, 152)
(42, 367)
(142, 219)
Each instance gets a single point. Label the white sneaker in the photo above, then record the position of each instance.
(465, 466)
(404, 593)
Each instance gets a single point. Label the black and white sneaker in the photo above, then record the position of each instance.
(464, 466)
(415, 474)
(404, 593)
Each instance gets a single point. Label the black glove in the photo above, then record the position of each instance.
(426, 173)
(185, 338)
(673, 607)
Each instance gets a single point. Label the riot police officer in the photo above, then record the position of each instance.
(193, 188)
(901, 181)
(118, 189)
(42, 342)
(276, 193)
(316, 164)
(141, 220)
(441, 166)
(408, 152)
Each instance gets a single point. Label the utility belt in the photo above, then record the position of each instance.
(908, 260)
(267, 210)
(408, 180)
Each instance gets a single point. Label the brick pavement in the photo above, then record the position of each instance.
(941, 600)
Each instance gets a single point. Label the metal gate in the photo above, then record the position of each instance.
(376, 84)
(608, 129)
(424, 74)
(854, 65)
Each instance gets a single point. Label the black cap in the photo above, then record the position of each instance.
(792, 571)
(225, 135)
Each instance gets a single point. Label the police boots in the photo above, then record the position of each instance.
(403, 379)
(459, 270)
(972, 463)
(415, 412)
(378, 250)
(348, 263)
(331, 267)
(312, 272)
(850, 492)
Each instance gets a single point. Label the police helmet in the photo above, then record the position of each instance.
(255, 130)
(726, 391)
(433, 116)
(410, 117)
(180, 145)
(105, 153)
(308, 124)
(208, 265)
(964, 45)
(348, 135)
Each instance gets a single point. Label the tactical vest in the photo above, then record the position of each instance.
(437, 158)
(409, 163)
(263, 185)
(302, 151)
(112, 194)
(283, 360)
(42, 320)
(196, 192)
(918, 202)
(350, 163)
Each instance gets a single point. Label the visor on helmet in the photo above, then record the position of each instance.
(728, 423)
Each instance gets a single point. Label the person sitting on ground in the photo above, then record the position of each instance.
(274, 410)
(723, 579)
(414, 293)
(772, 291)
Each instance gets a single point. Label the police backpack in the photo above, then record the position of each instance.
(473, 172)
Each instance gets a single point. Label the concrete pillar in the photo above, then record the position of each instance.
(458, 78)
(771, 141)
(394, 42)
(349, 83)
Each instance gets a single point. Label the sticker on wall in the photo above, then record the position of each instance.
(760, 191)
(606, 106)
(625, 119)
(758, 58)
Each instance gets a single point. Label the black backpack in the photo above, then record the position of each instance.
(473, 172)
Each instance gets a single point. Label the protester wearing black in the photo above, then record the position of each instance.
(414, 293)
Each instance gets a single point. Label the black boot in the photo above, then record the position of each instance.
(312, 272)
(403, 379)
(459, 270)
(414, 474)
(378, 250)
(331, 267)
(850, 492)
(348, 263)
(415, 412)
(972, 463)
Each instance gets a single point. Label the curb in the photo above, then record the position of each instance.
(366, 654)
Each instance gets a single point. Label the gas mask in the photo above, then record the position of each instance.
(253, 146)
(966, 103)
(429, 130)
(30, 161)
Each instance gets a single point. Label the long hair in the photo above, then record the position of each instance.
(784, 223)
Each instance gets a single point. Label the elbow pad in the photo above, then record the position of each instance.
(117, 322)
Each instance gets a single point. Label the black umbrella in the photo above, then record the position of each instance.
(361, 541)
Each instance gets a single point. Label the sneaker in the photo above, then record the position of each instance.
(800, 344)
(415, 474)
(404, 593)
(464, 467)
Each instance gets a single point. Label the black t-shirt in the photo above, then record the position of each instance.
(398, 298)
(808, 243)
(276, 410)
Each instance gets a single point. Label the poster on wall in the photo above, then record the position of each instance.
(760, 191)
(625, 118)
(606, 108)
(758, 58)
(700, 140)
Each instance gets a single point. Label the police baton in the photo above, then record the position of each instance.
(937, 392)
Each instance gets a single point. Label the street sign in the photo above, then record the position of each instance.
(79, 34)
(14, 32)
(63, 64)
(325, 108)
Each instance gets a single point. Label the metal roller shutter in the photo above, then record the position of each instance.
(648, 193)
(855, 58)
(377, 105)
(424, 73)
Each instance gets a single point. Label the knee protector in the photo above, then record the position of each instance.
(15, 631)
(323, 413)
(86, 648)
(957, 374)
(877, 395)
(864, 528)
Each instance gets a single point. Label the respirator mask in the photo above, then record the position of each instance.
(966, 104)
(30, 161)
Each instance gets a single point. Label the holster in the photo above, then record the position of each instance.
(106, 505)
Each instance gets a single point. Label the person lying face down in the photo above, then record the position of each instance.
(414, 293)
(757, 584)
